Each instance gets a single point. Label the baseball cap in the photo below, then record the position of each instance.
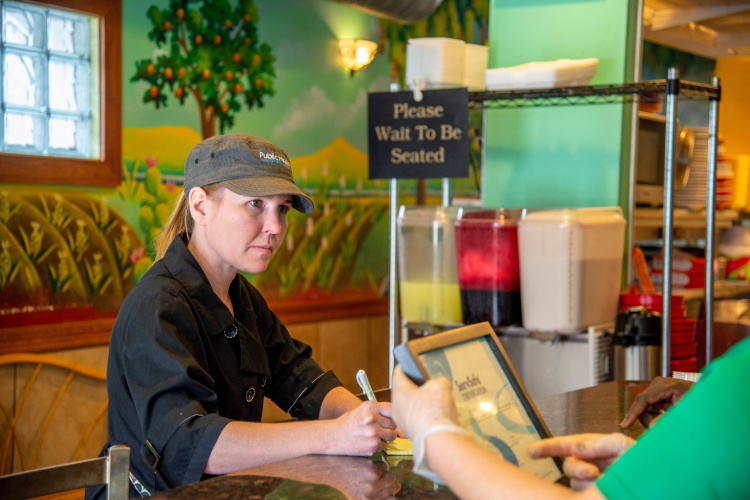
(246, 165)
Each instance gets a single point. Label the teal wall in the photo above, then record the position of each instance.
(563, 156)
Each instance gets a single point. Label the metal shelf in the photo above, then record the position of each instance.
(645, 92)
(670, 91)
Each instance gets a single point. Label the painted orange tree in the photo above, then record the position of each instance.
(209, 49)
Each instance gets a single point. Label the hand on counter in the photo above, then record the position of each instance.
(586, 455)
(659, 396)
(365, 430)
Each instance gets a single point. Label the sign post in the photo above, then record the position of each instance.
(410, 138)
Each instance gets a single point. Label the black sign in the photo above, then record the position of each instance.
(426, 139)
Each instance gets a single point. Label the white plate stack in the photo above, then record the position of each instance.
(435, 62)
(693, 195)
(558, 73)
(475, 65)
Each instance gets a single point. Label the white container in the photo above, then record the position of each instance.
(557, 73)
(435, 62)
(427, 266)
(475, 66)
(571, 266)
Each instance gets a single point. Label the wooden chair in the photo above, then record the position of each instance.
(112, 470)
(52, 411)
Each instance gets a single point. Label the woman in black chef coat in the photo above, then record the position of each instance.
(195, 348)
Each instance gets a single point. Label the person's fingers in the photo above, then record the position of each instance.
(585, 446)
(550, 447)
(387, 435)
(648, 419)
(575, 468)
(661, 394)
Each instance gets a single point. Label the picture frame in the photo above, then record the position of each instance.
(492, 401)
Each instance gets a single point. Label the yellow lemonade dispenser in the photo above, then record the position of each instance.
(427, 268)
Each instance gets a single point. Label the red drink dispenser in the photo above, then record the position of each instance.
(488, 266)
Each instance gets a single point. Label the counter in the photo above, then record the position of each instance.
(594, 409)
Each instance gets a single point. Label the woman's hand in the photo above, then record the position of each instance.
(586, 455)
(659, 396)
(363, 430)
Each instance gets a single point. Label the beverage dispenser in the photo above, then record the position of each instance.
(488, 266)
(571, 267)
(428, 279)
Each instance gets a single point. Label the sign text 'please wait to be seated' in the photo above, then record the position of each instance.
(426, 139)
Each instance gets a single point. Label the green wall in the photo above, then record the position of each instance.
(562, 156)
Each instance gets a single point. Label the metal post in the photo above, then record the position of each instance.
(393, 276)
(393, 302)
(446, 192)
(673, 90)
(713, 139)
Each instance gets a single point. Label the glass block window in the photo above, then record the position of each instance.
(49, 97)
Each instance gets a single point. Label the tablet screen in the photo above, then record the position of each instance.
(488, 403)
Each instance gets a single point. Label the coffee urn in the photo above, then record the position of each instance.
(637, 344)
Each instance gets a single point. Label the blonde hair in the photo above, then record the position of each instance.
(180, 221)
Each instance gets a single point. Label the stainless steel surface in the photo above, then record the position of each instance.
(637, 362)
(673, 75)
(713, 123)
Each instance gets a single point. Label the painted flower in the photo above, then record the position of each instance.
(136, 255)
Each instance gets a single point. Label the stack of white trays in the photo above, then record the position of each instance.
(558, 73)
(435, 62)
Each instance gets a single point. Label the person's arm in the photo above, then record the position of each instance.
(427, 415)
(473, 472)
(339, 401)
(361, 431)
(659, 396)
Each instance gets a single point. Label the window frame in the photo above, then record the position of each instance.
(106, 171)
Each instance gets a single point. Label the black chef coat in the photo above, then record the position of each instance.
(181, 367)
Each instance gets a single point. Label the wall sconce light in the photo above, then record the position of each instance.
(357, 54)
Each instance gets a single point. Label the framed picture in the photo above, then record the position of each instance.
(492, 402)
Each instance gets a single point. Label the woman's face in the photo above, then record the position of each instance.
(245, 232)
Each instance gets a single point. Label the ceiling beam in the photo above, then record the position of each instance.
(734, 42)
(660, 19)
(699, 42)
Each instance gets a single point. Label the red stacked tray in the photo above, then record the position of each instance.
(683, 344)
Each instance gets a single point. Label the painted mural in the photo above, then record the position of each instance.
(193, 68)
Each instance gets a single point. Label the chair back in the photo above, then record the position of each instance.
(112, 470)
(52, 411)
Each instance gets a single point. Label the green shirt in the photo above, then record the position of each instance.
(700, 448)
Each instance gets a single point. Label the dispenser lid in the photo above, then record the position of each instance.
(575, 216)
(494, 217)
(424, 215)
(637, 327)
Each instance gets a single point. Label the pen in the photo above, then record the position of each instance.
(365, 385)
